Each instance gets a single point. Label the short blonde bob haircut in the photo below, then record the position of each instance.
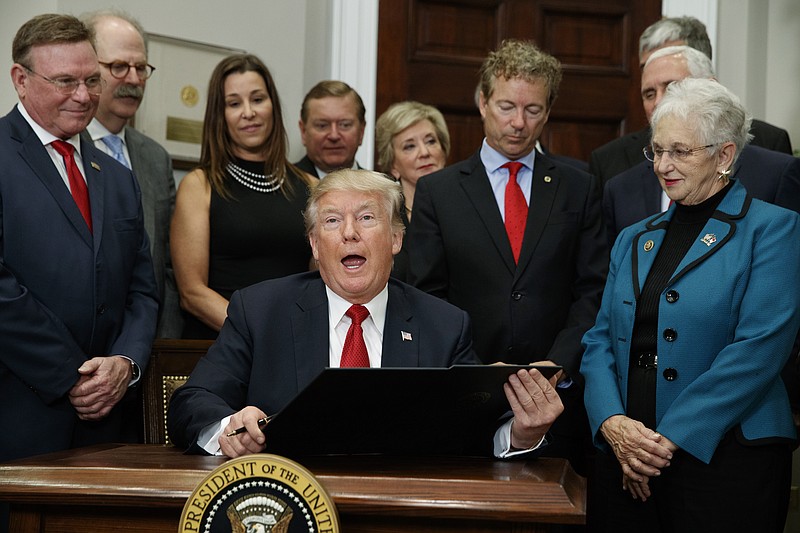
(403, 115)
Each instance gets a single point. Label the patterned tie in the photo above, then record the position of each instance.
(114, 144)
(354, 352)
(516, 209)
(77, 185)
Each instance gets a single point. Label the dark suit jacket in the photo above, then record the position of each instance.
(459, 251)
(66, 294)
(276, 337)
(577, 163)
(306, 165)
(152, 166)
(625, 152)
(636, 194)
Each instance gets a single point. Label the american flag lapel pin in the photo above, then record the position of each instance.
(405, 335)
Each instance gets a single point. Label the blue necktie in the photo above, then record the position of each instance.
(114, 143)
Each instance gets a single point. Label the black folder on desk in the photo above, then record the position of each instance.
(401, 411)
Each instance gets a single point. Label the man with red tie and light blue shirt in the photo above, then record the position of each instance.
(78, 299)
(284, 332)
(523, 254)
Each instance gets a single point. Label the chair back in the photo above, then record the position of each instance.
(171, 362)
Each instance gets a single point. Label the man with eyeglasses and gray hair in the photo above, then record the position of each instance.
(635, 193)
(78, 299)
(121, 45)
(624, 152)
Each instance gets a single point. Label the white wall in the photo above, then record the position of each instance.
(758, 58)
(782, 98)
(275, 30)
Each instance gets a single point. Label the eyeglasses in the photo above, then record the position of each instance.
(676, 154)
(120, 69)
(68, 86)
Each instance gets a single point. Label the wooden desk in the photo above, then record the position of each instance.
(143, 488)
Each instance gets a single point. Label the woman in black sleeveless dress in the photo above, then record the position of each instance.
(238, 216)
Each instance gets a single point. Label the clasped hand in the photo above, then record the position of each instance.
(641, 452)
(102, 383)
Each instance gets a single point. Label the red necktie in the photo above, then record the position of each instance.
(354, 352)
(516, 209)
(76, 182)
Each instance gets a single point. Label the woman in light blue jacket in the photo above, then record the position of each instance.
(699, 315)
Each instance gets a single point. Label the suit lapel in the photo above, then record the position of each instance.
(400, 332)
(717, 231)
(96, 177)
(645, 248)
(476, 185)
(652, 191)
(139, 164)
(310, 332)
(633, 149)
(544, 185)
(37, 158)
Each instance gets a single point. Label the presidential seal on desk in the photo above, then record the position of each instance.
(259, 493)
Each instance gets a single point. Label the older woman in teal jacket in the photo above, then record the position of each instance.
(699, 314)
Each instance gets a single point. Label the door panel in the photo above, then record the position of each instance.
(431, 51)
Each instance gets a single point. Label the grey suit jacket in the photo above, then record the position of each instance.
(152, 166)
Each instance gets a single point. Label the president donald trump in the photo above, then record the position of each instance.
(280, 334)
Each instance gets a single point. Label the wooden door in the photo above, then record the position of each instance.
(431, 50)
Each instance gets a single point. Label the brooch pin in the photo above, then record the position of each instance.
(95, 166)
(709, 239)
(405, 335)
(548, 179)
(648, 245)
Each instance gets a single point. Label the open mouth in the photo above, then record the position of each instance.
(352, 262)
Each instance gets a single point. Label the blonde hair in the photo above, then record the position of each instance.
(363, 181)
(521, 59)
(403, 115)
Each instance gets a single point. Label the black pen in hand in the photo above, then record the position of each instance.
(262, 422)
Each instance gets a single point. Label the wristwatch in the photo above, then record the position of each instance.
(135, 371)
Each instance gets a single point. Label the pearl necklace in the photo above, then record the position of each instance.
(251, 180)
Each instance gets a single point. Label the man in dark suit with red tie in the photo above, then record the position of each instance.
(280, 334)
(78, 300)
(515, 238)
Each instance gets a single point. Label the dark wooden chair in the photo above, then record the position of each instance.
(171, 362)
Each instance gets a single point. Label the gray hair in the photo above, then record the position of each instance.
(403, 115)
(362, 181)
(93, 17)
(715, 114)
(687, 29)
(698, 63)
